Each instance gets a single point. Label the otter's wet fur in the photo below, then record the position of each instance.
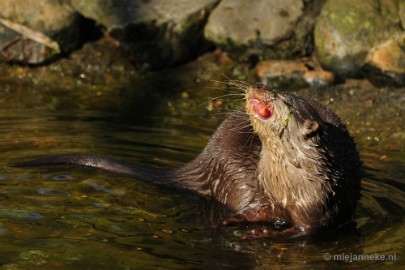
(287, 160)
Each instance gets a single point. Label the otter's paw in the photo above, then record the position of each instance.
(254, 215)
(256, 234)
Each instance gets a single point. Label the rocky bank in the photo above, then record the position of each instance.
(307, 42)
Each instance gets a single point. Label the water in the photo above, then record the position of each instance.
(64, 218)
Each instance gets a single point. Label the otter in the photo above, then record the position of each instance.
(285, 160)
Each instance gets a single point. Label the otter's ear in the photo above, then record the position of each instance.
(310, 128)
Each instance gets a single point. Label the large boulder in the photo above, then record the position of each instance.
(154, 33)
(255, 25)
(346, 30)
(35, 31)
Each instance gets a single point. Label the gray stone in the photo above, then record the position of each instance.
(385, 63)
(154, 33)
(35, 31)
(240, 23)
(346, 30)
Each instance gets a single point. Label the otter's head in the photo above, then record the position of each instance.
(280, 116)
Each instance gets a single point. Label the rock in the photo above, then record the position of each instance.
(346, 30)
(154, 33)
(289, 74)
(258, 26)
(35, 31)
(319, 78)
(385, 63)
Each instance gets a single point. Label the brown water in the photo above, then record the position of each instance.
(64, 218)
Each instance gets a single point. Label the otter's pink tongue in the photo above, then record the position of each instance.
(260, 108)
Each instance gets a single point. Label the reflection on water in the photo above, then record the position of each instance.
(84, 219)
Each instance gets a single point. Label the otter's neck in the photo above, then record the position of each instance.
(292, 173)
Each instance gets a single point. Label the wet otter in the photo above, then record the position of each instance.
(286, 160)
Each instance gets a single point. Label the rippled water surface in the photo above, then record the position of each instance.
(64, 218)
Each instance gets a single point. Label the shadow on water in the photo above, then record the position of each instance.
(84, 219)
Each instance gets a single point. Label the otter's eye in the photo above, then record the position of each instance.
(260, 108)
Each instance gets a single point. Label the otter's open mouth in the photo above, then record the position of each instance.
(260, 108)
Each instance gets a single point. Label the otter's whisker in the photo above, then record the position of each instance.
(232, 83)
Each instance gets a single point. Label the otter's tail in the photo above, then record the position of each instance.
(158, 175)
